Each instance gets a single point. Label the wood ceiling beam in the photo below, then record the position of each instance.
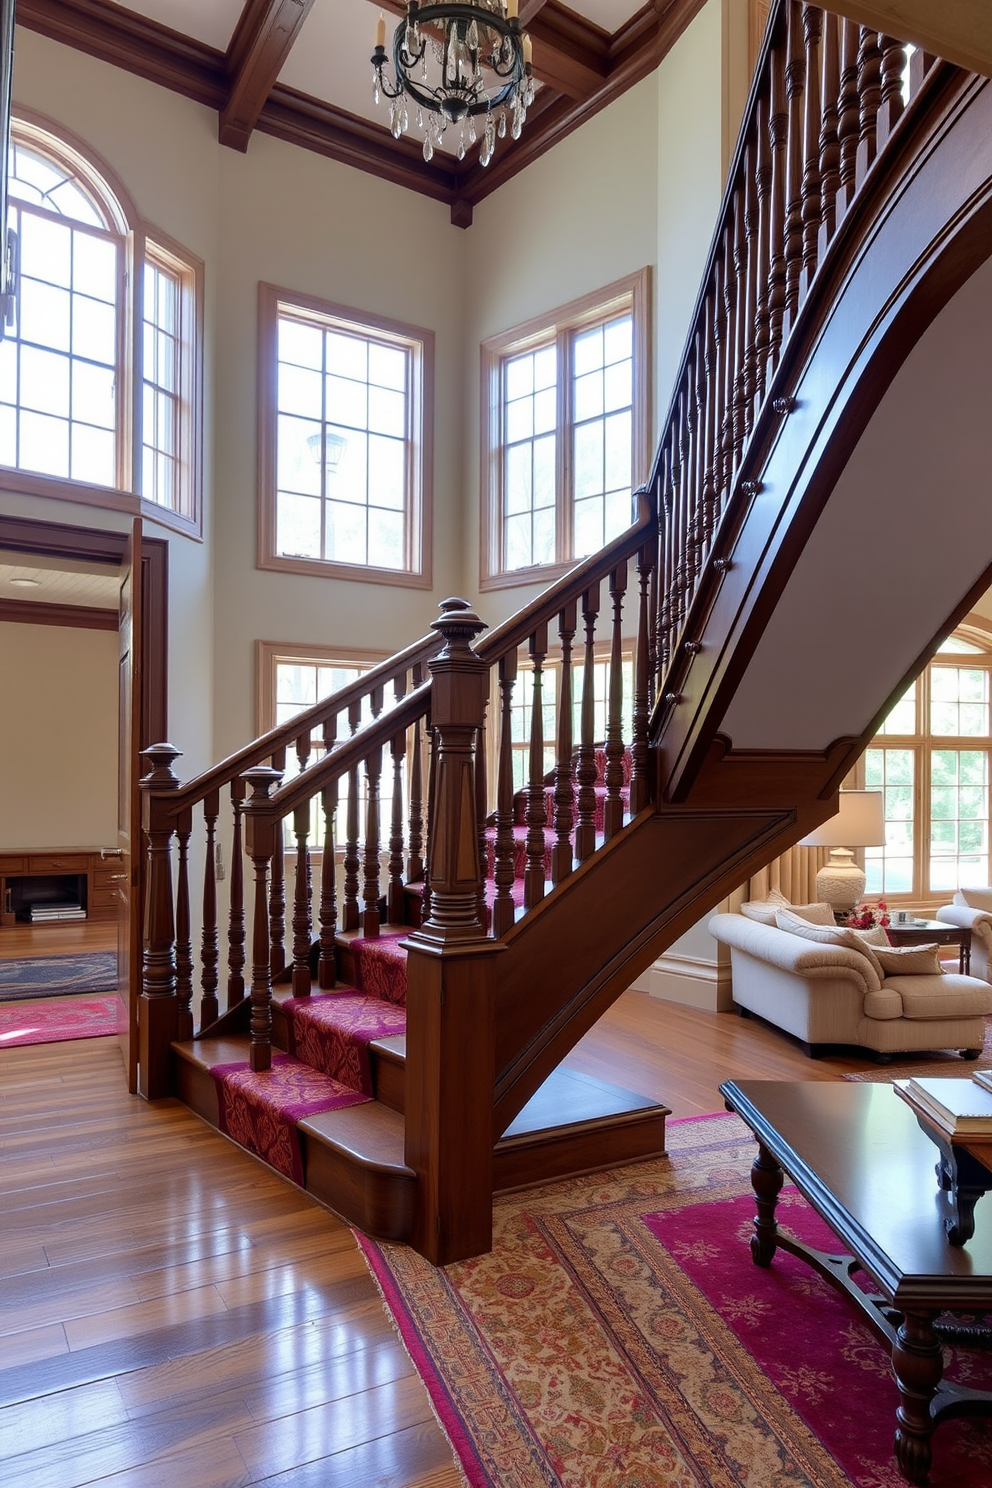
(262, 40)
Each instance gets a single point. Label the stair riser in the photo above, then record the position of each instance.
(521, 1162)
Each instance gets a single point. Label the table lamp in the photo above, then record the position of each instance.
(860, 822)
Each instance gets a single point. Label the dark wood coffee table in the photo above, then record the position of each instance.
(856, 1153)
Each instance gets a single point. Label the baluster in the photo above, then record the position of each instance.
(370, 917)
(264, 841)
(536, 816)
(184, 933)
(666, 565)
(158, 1018)
(613, 818)
(680, 514)
(794, 80)
(741, 331)
(829, 139)
(302, 921)
(482, 811)
(236, 913)
(397, 893)
(639, 782)
(778, 131)
(893, 67)
(848, 114)
(729, 368)
(718, 384)
(711, 491)
(750, 317)
(561, 852)
(812, 121)
(352, 862)
(763, 188)
(694, 483)
(585, 763)
(431, 739)
(415, 862)
(504, 873)
(277, 889)
(920, 63)
(327, 959)
(209, 944)
(869, 98)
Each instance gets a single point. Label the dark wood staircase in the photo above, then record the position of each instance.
(858, 203)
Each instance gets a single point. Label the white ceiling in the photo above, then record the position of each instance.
(59, 581)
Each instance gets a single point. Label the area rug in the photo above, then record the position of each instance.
(53, 1023)
(58, 976)
(619, 1334)
(260, 1111)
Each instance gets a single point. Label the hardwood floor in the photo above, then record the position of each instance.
(174, 1313)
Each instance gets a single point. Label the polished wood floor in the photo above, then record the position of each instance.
(175, 1314)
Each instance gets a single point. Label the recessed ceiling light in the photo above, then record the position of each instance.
(26, 583)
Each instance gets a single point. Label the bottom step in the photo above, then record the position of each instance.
(353, 1159)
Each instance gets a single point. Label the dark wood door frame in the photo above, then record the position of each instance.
(96, 545)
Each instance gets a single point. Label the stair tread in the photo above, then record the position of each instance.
(569, 1099)
(375, 1138)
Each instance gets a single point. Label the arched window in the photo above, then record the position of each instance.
(98, 365)
(931, 761)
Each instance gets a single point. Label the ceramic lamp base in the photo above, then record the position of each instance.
(840, 882)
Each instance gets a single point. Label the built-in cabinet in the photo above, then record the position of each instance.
(83, 876)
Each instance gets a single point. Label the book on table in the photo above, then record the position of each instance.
(960, 1107)
(983, 1078)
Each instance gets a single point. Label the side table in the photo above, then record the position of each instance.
(931, 931)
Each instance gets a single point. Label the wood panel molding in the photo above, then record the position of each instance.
(262, 41)
(75, 617)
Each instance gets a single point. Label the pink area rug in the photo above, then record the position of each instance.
(54, 1022)
(260, 1111)
(332, 1032)
(619, 1336)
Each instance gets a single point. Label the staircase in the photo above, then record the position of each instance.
(503, 920)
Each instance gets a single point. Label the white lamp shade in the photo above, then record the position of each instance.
(860, 822)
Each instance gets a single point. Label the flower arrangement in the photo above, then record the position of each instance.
(864, 916)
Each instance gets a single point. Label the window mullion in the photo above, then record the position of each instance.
(564, 496)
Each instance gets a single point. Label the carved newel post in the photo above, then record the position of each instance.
(158, 1016)
(450, 974)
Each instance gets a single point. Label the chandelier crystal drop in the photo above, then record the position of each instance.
(456, 61)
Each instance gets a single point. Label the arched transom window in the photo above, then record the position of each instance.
(98, 362)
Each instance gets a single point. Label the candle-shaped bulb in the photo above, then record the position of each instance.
(528, 50)
(511, 9)
(380, 30)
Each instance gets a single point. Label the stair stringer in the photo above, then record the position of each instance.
(645, 888)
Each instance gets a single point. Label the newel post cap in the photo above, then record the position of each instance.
(159, 758)
(458, 624)
(263, 779)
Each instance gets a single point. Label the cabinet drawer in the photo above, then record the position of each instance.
(11, 865)
(58, 863)
(104, 899)
(108, 878)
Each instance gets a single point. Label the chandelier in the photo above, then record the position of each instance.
(463, 64)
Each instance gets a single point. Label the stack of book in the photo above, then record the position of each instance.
(959, 1108)
(42, 913)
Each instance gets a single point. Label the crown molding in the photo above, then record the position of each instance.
(582, 69)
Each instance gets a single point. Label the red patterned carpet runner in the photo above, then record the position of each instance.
(260, 1111)
(619, 1334)
(332, 1032)
(380, 966)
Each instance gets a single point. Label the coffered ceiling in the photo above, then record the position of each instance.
(300, 70)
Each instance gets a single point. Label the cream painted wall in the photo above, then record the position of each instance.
(58, 737)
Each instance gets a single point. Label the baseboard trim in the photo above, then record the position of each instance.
(690, 981)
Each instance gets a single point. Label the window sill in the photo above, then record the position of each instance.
(520, 578)
(359, 573)
(57, 488)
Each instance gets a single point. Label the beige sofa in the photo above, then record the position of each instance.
(828, 995)
(972, 910)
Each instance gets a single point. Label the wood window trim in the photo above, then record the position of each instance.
(976, 630)
(587, 310)
(270, 653)
(50, 137)
(419, 574)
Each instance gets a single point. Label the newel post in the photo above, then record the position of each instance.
(450, 974)
(158, 1013)
(264, 840)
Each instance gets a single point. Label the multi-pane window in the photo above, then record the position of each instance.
(345, 470)
(522, 710)
(566, 432)
(931, 761)
(75, 406)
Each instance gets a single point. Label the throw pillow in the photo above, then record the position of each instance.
(975, 898)
(762, 910)
(920, 960)
(817, 914)
(775, 897)
(870, 940)
(822, 934)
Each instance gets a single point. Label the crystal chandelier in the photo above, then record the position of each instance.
(457, 63)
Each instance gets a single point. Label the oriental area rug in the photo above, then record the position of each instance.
(58, 976)
(54, 1022)
(619, 1336)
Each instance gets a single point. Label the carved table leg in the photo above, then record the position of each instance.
(766, 1180)
(918, 1364)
